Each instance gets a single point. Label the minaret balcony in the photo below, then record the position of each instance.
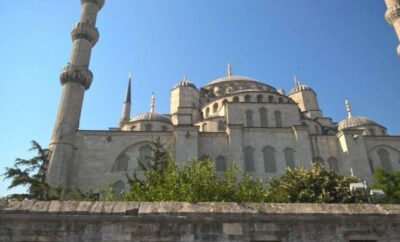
(392, 14)
(77, 74)
(85, 31)
(99, 3)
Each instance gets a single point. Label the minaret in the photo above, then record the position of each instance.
(348, 109)
(392, 16)
(126, 107)
(75, 80)
(153, 103)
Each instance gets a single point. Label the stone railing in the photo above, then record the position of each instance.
(181, 221)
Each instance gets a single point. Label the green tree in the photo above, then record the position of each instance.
(32, 174)
(389, 182)
(315, 185)
(194, 181)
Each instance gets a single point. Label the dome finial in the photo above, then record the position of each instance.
(229, 70)
(348, 108)
(296, 80)
(153, 100)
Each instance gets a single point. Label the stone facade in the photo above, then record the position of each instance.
(181, 221)
(230, 119)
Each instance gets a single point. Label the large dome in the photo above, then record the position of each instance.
(354, 122)
(151, 116)
(231, 78)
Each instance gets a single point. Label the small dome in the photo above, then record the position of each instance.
(300, 87)
(184, 83)
(151, 116)
(354, 122)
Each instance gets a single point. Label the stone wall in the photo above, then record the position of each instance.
(181, 221)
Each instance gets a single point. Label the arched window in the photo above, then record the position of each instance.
(148, 127)
(372, 131)
(278, 119)
(145, 153)
(221, 163)
(119, 188)
(121, 163)
(247, 98)
(384, 157)
(164, 128)
(225, 101)
(235, 99)
(248, 158)
(215, 107)
(259, 98)
(269, 160)
(221, 125)
(333, 164)
(133, 128)
(207, 112)
(249, 118)
(280, 100)
(204, 127)
(270, 99)
(263, 117)
(289, 157)
(318, 160)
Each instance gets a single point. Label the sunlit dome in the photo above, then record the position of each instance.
(151, 116)
(354, 122)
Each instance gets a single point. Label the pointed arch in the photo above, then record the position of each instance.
(121, 163)
(249, 158)
(269, 159)
(215, 107)
(289, 157)
(235, 99)
(263, 117)
(220, 163)
(247, 98)
(384, 157)
(148, 127)
(221, 125)
(333, 164)
(145, 154)
(278, 119)
(260, 98)
(249, 118)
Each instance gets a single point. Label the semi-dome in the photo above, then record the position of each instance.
(151, 116)
(354, 122)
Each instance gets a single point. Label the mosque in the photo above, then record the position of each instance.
(233, 118)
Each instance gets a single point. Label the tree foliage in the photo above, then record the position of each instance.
(315, 185)
(389, 182)
(32, 174)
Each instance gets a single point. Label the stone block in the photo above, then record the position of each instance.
(55, 206)
(12, 206)
(84, 207)
(119, 208)
(69, 207)
(132, 208)
(108, 207)
(26, 205)
(97, 208)
(40, 207)
(232, 228)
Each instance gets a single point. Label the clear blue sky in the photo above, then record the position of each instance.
(340, 48)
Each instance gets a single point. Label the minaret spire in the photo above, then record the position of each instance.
(348, 108)
(126, 106)
(152, 105)
(229, 70)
